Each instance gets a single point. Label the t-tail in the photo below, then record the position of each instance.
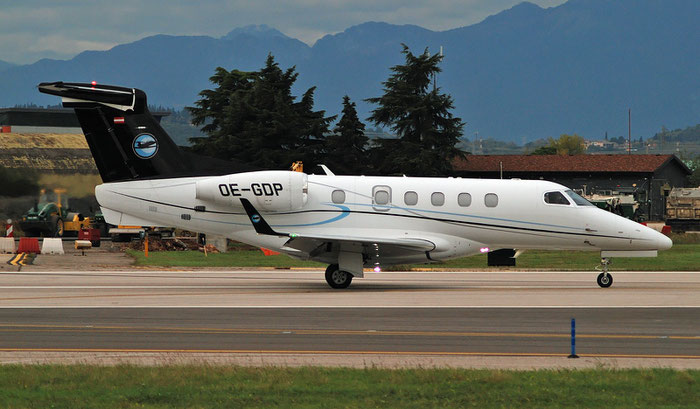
(126, 141)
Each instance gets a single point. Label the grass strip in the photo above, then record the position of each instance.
(681, 257)
(203, 386)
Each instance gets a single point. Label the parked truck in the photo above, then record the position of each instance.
(683, 209)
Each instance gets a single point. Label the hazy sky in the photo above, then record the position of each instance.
(35, 29)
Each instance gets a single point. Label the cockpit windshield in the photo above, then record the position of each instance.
(556, 198)
(578, 199)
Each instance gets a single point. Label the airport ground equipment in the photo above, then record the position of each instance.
(683, 210)
(83, 245)
(50, 217)
(91, 235)
(98, 222)
(125, 234)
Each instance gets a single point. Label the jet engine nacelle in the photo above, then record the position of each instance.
(273, 190)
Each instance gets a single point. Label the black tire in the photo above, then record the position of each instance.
(57, 224)
(605, 281)
(337, 278)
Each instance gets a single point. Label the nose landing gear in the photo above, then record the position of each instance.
(605, 279)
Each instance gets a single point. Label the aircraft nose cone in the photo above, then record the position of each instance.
(663, 242)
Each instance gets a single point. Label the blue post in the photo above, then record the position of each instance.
(573, 339)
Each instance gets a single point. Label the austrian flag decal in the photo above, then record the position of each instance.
(119, 120)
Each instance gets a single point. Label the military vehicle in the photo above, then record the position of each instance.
(683, 209)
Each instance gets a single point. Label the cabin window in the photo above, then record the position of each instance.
(556, 198)
(437, 199)
(338, 196)
(464, 199)
(491, 200)
(382, 195)
(410, 198)
(579, 200)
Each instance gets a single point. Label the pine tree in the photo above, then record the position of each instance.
(345, 148)
(253, 117)
(421, 118)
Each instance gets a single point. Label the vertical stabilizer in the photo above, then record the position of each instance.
(124, 138)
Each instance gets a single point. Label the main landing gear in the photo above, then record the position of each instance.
(605, 279)
(337, 278)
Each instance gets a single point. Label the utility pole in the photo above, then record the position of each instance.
(629, 131)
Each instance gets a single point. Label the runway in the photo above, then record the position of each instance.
(289, 288)
(446, 317)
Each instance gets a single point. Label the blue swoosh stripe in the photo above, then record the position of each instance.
(344, 214)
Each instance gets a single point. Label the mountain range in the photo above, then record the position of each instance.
(523, 74)
(5, 65)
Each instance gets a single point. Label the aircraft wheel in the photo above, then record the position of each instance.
(605, 280)
(337, 278)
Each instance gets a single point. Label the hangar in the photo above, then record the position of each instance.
(649, 178)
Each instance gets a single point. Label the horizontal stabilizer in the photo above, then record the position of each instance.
(82, 95)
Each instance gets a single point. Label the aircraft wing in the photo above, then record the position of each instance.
(300, 241)
(313, 244)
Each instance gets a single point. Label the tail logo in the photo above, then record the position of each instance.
(145, 146)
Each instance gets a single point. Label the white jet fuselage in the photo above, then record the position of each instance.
(452, 217)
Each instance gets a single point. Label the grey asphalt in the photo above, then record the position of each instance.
(643, 332)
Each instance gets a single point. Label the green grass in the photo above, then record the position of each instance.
(82, 386)
(682, 257)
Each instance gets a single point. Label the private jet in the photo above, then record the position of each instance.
(351, 223)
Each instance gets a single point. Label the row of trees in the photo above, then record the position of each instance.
(565, 145)
(253, 117)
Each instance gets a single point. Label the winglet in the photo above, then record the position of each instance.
(259, 224)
